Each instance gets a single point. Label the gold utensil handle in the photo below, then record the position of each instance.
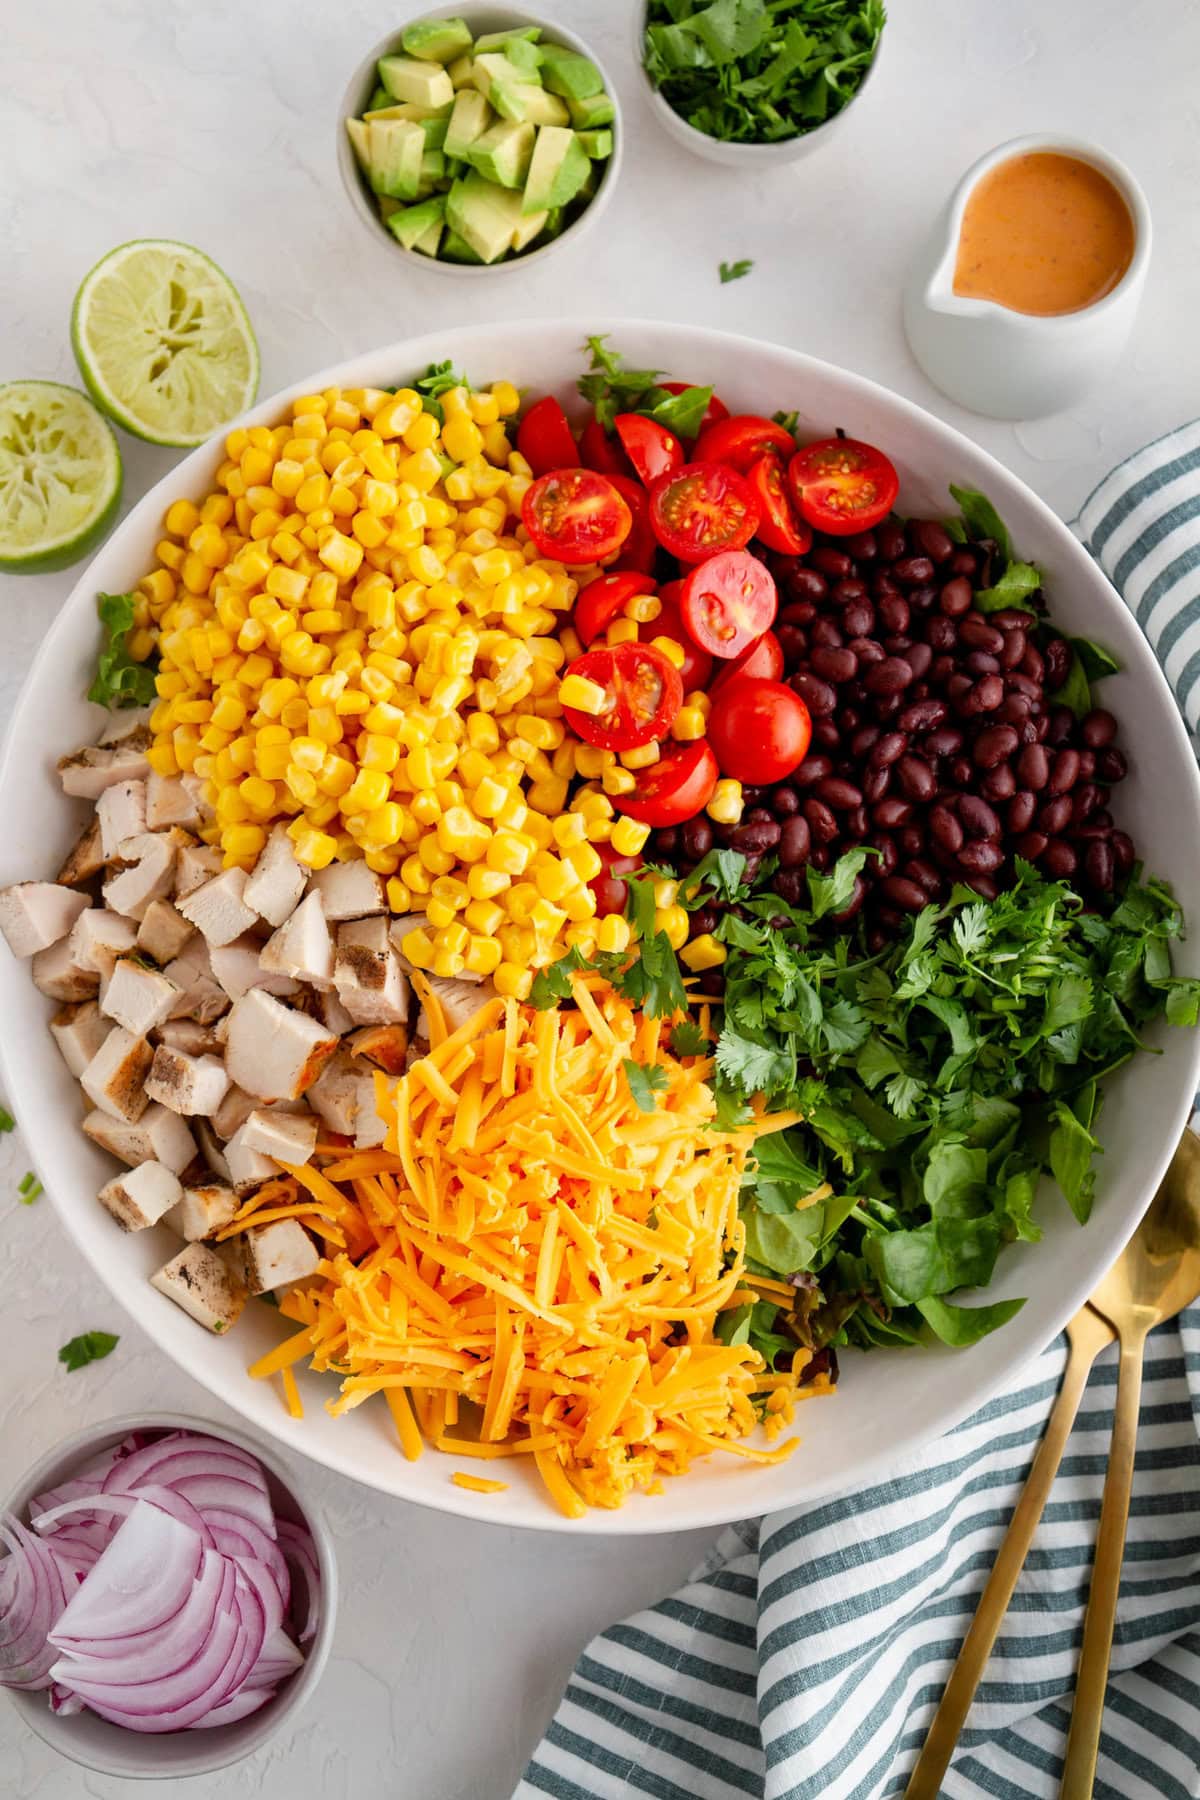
(1083, 1741)
(1089, 1335)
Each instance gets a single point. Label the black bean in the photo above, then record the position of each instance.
(784, 802)
(1021, 809)
(960, 771)
(858, 620)
(984, 885)
(964, 562)
(755, 837)
(825, 734)
(1056, 660)
(697, 837)
(887, 749)
(1058, 859)
(816, 694)
(925, 875)
(984, 697)
(805, 584)
(955, 597)
(862, 546)
(941, 633)
(1100, 865)
(981, 856)
(1055, 815)
(893, 613)
(978, 662)
(841, 795)
(864, 741)
(1030, 845)
(821, 822)
(1014, 709)
(789, 884)
(945, 829)
(848, 590)
(1098, 729)
(868, 650)
(1014, 649)
(826, 634)
(912, 571)
(947, 740)
(1062, 724)
(1033, 767)
(889, 676)
(853, 906)
(1084, 801)
(1111, 765)
(1033, 664)
(888, 854)
(666, 841)
(908, 895)
(998, 784)
(810, 771)
(829, 561)
(834, 665)
(875, 784)
(931, 539)
(793, 644)
(705, 919)
(891, 813)
(994, 745)
(1123, 851)
(1087, 764)
(916, 777)
(919, 658)
(855, 822)
(795, 841)
(820, 857)
(890, 540)
(978, 817)
(922, 715)
(1064, 772)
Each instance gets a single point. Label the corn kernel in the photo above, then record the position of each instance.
(726, 803)
(666, 893)
(704, 952)
(620, 631)
(512, 981)
(673, 651)
(613, 933)
(398, 897)
(644, 757)
(688, 724)
(483, 955)
(673, 922)
(618, 781)
(583, 695)
(550, 794)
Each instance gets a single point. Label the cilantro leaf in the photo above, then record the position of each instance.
(982, 520)
(687, 1039)
(734, 271)
(88, 1347)
(1015, 587)
(437, 380)
(552, 984)
(119, 681)
(721, 871)
(7, 1122)
(645, 1080)
(610, 388)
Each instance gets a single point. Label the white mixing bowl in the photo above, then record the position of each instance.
(883, 1409)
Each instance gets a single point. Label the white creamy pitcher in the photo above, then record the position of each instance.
(1016, 365)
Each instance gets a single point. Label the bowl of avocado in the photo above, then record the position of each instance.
(479, 140)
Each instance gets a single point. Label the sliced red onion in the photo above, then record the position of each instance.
(33, 1596)
(247, 1700)
(278, 1657)
(301, 1556)
(142, 1580)
(241, 1537)
(206, 1472)
(63, 1703)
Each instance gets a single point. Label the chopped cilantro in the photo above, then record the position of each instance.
(437, 380)
(645, 1080)
(7, 1122)
(88, 1347)
(687, 1039)
(610, 388)
(30, 1189)
(735, 270)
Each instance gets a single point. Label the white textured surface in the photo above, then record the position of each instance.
(215, 123)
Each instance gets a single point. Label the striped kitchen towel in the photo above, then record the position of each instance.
(806, 1657)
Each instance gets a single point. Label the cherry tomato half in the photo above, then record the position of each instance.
(697, 665)
(643, 692)
(760, 661)
(650, 447)
(779, 528)
(678, 786)
(640, 549)
(715, 410)
(728, 602)
(575, 516)
(760, 731)
(741, 439)
(610, 891)
(842, 486)
(603, 600)
(598, 451)
(544, 438)
(701, 509)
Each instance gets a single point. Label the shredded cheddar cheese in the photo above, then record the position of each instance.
(533, 1265)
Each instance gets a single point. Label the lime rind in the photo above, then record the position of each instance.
(164, 343)
(60, 477)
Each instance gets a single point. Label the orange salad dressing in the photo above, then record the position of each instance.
(1043, 233)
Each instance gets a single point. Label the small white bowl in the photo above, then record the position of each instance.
(1014, 365)
(96, 1743)
(742, 156)
(480, 19)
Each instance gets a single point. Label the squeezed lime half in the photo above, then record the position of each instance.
(60, 476)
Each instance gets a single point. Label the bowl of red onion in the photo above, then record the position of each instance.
(167, 1598)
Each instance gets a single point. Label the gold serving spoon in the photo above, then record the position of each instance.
(1155, 1277)
(1088, 1333)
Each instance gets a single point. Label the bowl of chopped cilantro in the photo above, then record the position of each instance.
(756, 81)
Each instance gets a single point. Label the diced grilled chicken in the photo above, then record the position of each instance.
(87, 773)
(203, 1208)
(163, 932)
(269, 1255)
(115, 1078)
(238, 968)
(337, 1092)
(187, 1084)
(277, 881)
(146, 873)
(302, 946)
(140, 1199)
(370, 983)
(273, 1051)
(128, 728)
(212, 1151)
(386, 1046)
(204, 1285)
(369, 1130)
(460, 1000)
(188, 1035)
(86, 859)
(121, 810)
(157, 1136)
(333, 1013)
(197, 864)
(137, 996)
(218, 909)
(168, 802)
(35, 914)
(200, 996)
(233, 1111)
(98, 937)
(248, 1168)
(79, 1032)
(287, 1137)
(59, 974)
(349, 890)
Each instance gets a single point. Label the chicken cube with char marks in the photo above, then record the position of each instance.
(187, 1084)
(137, 995)
(218, 910)
(115, 1079)
(140, 1198)
(370, 982)
(169, 802)
(204, 1285)
(343, 1097)
(163, 932)
(189, 1035)
(121, 810)
(287, 1137)
(35, 914)
(201, 996)
(248, 1168)
(302, 946)
(203, 1209)
(349, 890)
(273, 1051)
(156, 1136)
(267, 1256)
(212, 1151)
(59, 974)
(196, 865)
(87, 773)
(276, 883)
(237, 967)
(145, 873)
(98, 937)
(79, 1031)
(86, 858)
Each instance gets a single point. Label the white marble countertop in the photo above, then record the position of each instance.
(215, 123)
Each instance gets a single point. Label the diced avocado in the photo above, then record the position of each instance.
(596, 144)
(379, 98)
(563, 72)
(356, 131)
(456, 249)
(557, 171)
(502, 153)
(485, 216)
(493, 70)
(429, 240)
(554, 222)
(529, 228)
(388, 207)
(542, 108)
(470, 119)
(396, 146)
(433, 165)
(436, 127)
(406, 109)
(595, 109)
(526, 58)
(462, 71)
(425, 84)
(437, 40)
(500, 40)
(412, 223)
